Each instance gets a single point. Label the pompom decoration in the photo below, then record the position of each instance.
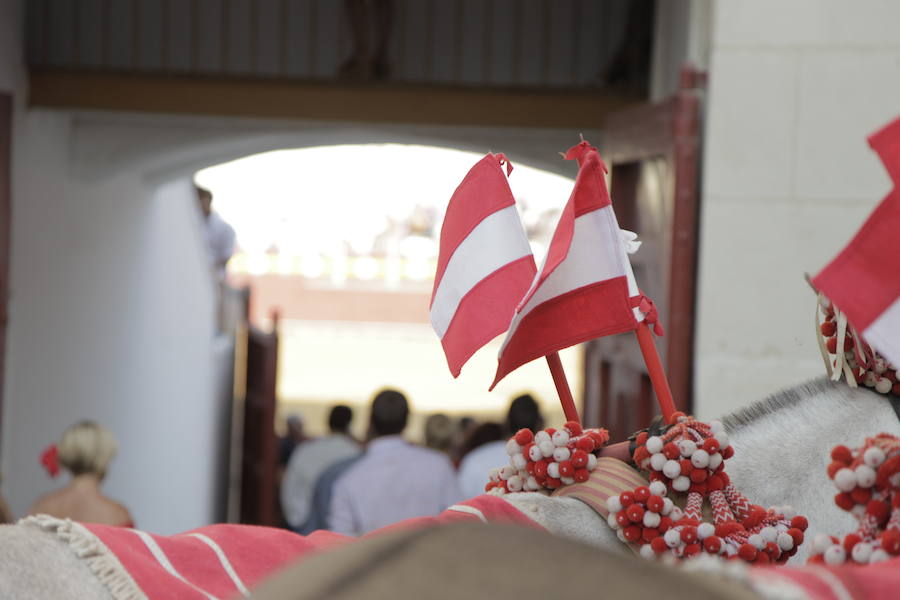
(547, 459)
(689, 457)
(50, 460)
(846, 354)
(868, 484)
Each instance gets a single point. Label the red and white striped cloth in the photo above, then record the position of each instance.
(864, 279)
(484, 266)
(585, 288)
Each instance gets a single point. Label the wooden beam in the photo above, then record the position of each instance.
(333, 101)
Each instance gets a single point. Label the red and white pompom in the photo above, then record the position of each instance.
(689, 458)
(548, 459)
(868, 484)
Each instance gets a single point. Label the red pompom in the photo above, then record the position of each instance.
(641, 493)
(842, 454)
(712, 544)
(896, 389)
(655, 503)
(800, 522)
(626, 498)
(851, 540)
(550, 431)
(632, 533)
(665, 524)
(715, 482)
(641, 438)
(796, 535)
(600, 437)
(686, 466)
(659, 545)
(649, 534)
(566, 469)
(890, 541)
(747, 552)
(689, 535)
(676, 415)
(879, 510)
(757, 514)
(831, 345)
(552, 483)
(699, 475)
(723, 530)
(861, 495)
(540, 468)
(622, 518)
(529, 467)
(844, 501)
(574, 427)
(671, 451)
(524, 436)
(579, 459)
(727, 453)
(635, 513)
(585, 444)
(700, 488)
(711, 445)
(691, 550)
(762, 558)
(834, 467)
(581, 475)
(828, 329)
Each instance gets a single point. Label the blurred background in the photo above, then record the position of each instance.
(331, 135)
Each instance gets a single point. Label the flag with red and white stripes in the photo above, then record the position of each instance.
(864, 279)
(585, 288)
(484, 265)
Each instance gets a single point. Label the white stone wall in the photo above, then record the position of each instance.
(795, 87)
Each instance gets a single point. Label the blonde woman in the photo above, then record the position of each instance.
(85, 450)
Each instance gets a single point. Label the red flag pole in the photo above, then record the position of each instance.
(655, 369)
(562, 387)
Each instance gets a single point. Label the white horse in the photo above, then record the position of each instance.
(782, 448)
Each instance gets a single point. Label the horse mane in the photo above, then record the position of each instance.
(778, 401)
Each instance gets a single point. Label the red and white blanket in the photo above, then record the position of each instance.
(222, 561)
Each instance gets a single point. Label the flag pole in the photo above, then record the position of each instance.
(655, 369)
(562, 387)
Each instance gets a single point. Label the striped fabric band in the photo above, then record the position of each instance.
(611, 477)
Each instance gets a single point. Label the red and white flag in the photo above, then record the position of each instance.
(586, 288)
(864, 279)
(484, 266)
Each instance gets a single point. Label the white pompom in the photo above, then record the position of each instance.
(657, 461)
(845, 480)
(681, 484)
(865, 476)
(518, 460)
(878, 556)
(547, 448)
(657, 488)
(647, 552)
(613, 505)
(781, 527)
(756, 541)
(730, 549)
(507, 471)
(621, 535)
(534, 453)
(858, 511)
(722, 438)
(592, 462)
(515, 483)
(541, 436)
(769, 533)
(654, 444)
(512, 447)
(671, 469)
(788, 511)
(861, 552)
(532, 484)
(821, 543)
(714, 461)
(567, 480)
(716, 427)
(687, 447)
(560, 438)
(494, 474)
(553, 470)
(870, 379)
(611, 521)
(651, 519)
(668, 505)
(784, 541)
(883, 385)
(873, 457)
(672, 538)
(700, 458)
(676, 514)
(561, 454)
(704, 530)
(835, 555)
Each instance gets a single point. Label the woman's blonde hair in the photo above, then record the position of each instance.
(87, 447)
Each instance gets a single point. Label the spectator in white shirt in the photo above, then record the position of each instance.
(473, 469)
(219, 235)
(394, 480)
(312, 458)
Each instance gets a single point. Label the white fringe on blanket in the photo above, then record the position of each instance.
(99, 559)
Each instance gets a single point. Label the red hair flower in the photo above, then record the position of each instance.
(50, 460)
